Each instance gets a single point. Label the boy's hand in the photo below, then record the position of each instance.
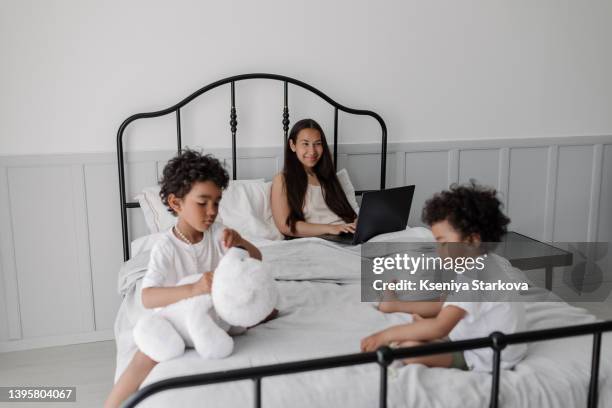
(373, 342)
(231, 238)
(204, 285)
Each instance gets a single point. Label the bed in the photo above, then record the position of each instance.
(322, 320)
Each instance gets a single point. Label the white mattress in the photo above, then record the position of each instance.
(321, 315)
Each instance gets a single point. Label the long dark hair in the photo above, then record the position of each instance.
(296, 179)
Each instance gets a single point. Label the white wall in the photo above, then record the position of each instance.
(71, 70)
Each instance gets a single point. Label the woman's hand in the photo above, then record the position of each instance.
(337, 229)
(204, 285)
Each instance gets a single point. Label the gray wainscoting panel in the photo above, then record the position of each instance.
(104, 239)
(400, 170)
(341, 164)
(481, 165)
(161, 163)
(604, 230)
(526, 200)
(60, 230)
(42, 208)
(573, 193)
(253, 168)
(428, 171)
(364, 170)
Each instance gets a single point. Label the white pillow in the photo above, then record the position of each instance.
(349, 190)
(245, 207)
(156, 214)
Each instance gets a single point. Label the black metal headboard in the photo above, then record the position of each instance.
(233, 127)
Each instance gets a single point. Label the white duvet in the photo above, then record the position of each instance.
(321, 315)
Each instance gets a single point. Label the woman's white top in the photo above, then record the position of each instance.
(316, 210)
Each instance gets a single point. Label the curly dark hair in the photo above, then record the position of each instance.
(187, 168)
(470, 209)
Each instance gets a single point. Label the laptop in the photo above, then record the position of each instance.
(381, 212)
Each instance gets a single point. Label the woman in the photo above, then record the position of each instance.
(307, 199)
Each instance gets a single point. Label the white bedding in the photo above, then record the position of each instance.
(321, 315)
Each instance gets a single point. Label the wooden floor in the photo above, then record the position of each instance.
(90, 367)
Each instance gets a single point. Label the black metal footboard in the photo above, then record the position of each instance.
(385, 355)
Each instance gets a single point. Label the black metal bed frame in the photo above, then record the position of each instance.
(176, 109)
(384, 356)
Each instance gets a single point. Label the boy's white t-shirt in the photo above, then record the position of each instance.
(172, 259)
(484, 318)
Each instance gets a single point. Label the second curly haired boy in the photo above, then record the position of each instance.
(468, 215)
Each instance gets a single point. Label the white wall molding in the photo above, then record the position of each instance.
(81, 234)
(596, 181)
(503, 177)
(453, 166)
(551, 192)
(9, 267)
(400, 168)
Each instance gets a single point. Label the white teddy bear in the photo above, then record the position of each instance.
(243, 294)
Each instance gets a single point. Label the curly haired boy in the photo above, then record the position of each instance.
(468, 216)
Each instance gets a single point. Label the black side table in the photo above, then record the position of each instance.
(527, 254)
